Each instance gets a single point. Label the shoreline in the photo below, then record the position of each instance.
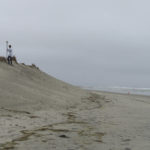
(117, 93)
(122, 90)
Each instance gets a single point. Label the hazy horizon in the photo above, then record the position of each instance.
(88, 43)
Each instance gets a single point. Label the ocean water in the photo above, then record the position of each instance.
(124, 90)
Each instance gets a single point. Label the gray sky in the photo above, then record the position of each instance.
(84, 42)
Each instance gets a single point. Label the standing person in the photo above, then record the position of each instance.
(9, 55)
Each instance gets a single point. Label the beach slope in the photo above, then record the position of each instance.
(40, 112)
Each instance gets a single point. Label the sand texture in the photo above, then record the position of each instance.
(39, 112)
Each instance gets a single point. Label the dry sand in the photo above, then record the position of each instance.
(40, 112)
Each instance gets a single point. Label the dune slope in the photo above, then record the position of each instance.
(40, 112)
(37, 111)
(26, 88)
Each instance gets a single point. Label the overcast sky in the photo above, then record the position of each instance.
(84, 42)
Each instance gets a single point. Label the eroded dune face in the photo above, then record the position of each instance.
(39, 112)
(25, 87)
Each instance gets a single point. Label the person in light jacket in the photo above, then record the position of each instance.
(9, 55)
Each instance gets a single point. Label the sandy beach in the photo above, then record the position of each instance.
(40, 112)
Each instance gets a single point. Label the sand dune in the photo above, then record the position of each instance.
(40, 112)
(32, 101)
(25, 88)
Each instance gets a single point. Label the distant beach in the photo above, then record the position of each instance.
(123, 90)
